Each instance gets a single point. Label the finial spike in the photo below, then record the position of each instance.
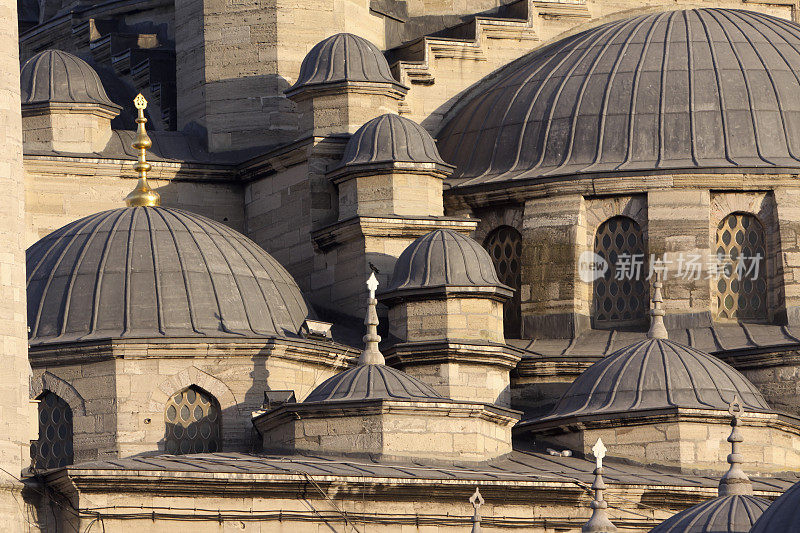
(735, 481)
(477, 501)
(657, 328)
(371, 355)
(599, 522)
(142, 195)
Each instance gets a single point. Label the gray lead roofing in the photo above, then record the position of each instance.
(727, 514)
(371, 382)
(444, 258)
(657, 374)
(56, 76)
(391, 138)
(150, 272)
(691, 89)
(344, 57)
(782, 515)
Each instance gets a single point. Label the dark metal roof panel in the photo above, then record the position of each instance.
(689, 89)
(149, 272)
(391, 138)
(726, 514)
(369, 382)
(56, 76)
(654, 374)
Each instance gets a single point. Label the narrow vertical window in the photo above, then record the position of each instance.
(53, 449)
(193, 422)
(741, 288)
(505, 246)
(620, 295)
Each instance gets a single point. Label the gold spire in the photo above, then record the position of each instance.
(142, 195)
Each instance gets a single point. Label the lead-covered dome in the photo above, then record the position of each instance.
(693, 89)
(344, 57)
(53, 76)
(782, 515)
(391, 138)
(726, 514)
(149, 272)
(373, 382)
(444, 259)
(657, 374)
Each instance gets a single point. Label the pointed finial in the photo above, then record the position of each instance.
(476, 500)
(142, 195)
(599, 522)
(657, 329)
(735, 481)
(371, 355)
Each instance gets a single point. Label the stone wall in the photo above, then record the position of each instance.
(447, 318)
(391, 193)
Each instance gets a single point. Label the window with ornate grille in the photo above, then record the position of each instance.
(505, 246)
(741, 287)
(193, 422)
(620, 296)
(53, 449)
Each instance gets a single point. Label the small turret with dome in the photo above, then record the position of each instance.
(657, 382)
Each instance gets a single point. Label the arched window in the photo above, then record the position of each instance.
(193, 422)
(620, 295)
(741, 287)
(53, 449)
(505, 246)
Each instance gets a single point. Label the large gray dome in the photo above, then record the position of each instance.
(783, 515)
(371, 382)
(726, 514)
(694, 89)
(156, 272)
(344, 57)
(657, 374)
(391, 138)
(54, 76)
(444, 259)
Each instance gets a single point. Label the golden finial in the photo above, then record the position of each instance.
(142, 195)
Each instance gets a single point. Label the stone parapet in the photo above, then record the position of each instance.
(390, 429)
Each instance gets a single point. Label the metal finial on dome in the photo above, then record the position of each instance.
(599, 522)
(735, 481)
(657, 328)
(476, 500)
(371, 355)
(142, 195)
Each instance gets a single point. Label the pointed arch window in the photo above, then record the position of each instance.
(505, 246)
(620, 295)
(741, 286)
(53, 448)
(193, 422)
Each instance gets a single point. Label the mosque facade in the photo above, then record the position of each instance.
(400, 266)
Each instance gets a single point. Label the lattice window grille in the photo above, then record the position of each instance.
(740, 294)
(192, 423)
(54, 448)
(504, 245)
(618, 302)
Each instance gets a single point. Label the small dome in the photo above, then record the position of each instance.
(148, 272)
(782, 515)
(727, 514)
(373, 382)
(657, 374)
(444, 258)
(626, 97)
(391, 137)
(344, 57)
(56, 76)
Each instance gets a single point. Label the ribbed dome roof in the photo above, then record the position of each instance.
(444, 258)
(783, 515)
(694, 89)
(344, 57)
(727, 514)
(56, 76)
(657, 374)
(391, 137)
(156, 272)
(370, 382)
